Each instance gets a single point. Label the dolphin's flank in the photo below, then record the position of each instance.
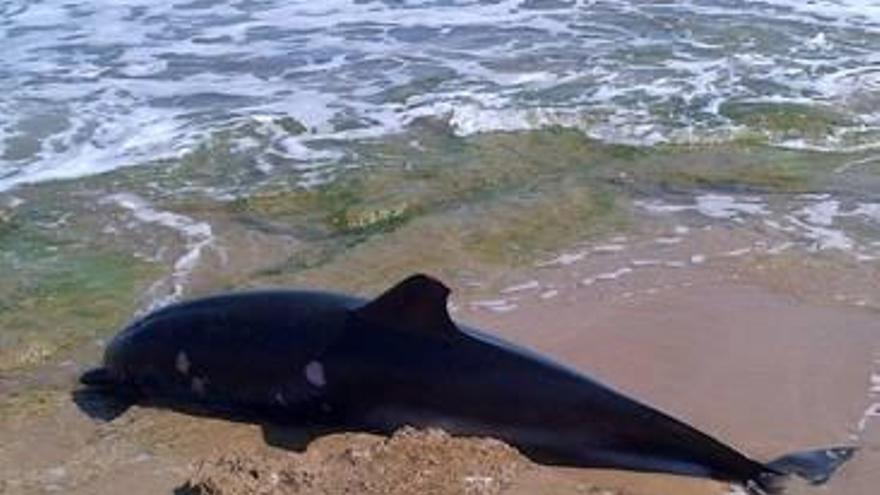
(333, 359)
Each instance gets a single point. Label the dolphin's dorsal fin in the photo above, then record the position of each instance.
(417, 304)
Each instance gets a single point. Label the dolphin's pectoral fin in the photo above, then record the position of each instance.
(417, 304)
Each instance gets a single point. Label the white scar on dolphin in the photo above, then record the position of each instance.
(314, 372)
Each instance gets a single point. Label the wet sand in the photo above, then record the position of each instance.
(760, 371)
(719, 341)
(706, 339)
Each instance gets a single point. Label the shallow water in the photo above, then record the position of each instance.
(87, 87)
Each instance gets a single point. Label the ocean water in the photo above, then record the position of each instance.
(87, 87)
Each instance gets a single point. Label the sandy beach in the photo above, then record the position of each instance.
(679, 199)
(708, 339)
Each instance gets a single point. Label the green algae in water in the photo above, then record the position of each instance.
(515, 229)
(397, 182)
(372, 220)
(747, 178)
(55, 295)
(787, 120)
(483, 201)
(503, 198)
(291, 126)
(780, 176)
(478, 238)
(215, 163)
(218, 164)
(730, 167)
(446, 171)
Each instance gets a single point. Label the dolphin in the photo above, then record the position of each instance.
(323, 358)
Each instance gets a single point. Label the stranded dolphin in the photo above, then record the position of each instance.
(325, 358)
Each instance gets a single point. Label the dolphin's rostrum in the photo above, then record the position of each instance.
(325, 358)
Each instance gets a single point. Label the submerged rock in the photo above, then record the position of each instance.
(379, 218)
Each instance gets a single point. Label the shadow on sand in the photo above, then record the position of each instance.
(281, 430)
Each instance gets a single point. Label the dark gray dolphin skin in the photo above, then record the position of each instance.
(325, 358)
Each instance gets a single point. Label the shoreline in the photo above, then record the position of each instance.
(646, 270)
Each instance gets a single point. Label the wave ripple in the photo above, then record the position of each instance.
(87, 87)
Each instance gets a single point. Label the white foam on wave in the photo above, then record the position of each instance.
(125, 144)
(858, 11)
(523, 287)
(607, 276)
(819, 221)
(197, 237)
(549, 294)
(139, 80)
(495, 305)
(660, 207)
(727, 207)
(826, 222)
(563, 259)
(717, 206)
(735, 253)
(822, 213)
(872, 412)
(869, 210)
(875, 383)
(668, 240)
(475, 118)
(645, 262)
(608, 248)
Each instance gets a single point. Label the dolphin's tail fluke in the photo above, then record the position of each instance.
(814, 466)
(103, 397)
